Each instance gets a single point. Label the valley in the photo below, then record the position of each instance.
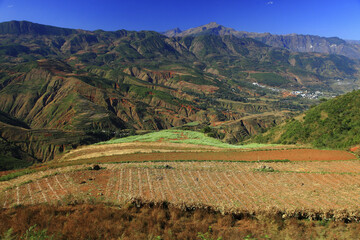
(222, 132)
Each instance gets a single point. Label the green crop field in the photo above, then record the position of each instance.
(182, 136)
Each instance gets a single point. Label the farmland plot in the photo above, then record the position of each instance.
(154, 151)
(225, 186)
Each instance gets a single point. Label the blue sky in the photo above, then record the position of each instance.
(319, 17)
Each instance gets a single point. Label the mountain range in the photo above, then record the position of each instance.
(291, 42)
(61, 88)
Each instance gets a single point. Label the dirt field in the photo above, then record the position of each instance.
(167, 152)
(226, 186)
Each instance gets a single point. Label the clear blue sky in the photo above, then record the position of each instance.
(319, 17)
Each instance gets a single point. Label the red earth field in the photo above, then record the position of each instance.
(325, 186)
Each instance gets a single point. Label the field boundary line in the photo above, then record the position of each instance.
(37, 182)
(139, 183)
(150, 186)
(119, 184)
(29, 190)
(48, 183)
(162, 191)
(17, 196)
(107, 188)
(130, 182)
(6, 198)
(58, 182)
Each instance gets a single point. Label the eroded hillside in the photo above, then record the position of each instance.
(109, 84)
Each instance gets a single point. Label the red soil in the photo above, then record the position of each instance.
(292, 155)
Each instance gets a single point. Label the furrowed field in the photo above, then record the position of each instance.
(290, 183)
(329, 187)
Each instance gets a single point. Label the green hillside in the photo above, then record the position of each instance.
(334, 123)
(181, 136)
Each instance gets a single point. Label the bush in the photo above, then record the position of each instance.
(30, 234)
(33, 234)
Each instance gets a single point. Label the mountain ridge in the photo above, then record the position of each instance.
(293, 42)
(26, 27)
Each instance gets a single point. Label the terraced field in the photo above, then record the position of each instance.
(125, 152)
(317, 187)
(311, 183)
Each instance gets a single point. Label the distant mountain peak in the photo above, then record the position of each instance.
(172, 32)
(212, 25)
(293, 42)
(211, 28)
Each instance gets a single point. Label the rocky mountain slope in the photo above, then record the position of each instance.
(97, 85)
(292, 42)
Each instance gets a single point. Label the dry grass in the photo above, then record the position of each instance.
(148, 221)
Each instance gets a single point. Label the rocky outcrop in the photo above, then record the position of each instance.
(239, 130)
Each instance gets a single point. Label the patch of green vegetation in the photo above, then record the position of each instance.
(181, 136)
(96, 81)
(210, 46)
(127, 52)
(342, 63)
(50, 175)
(30, 234)
(144, 92)
(25, 67)
(26, 182)
(208, 235)
(192, 124)
(327, 65)
(56, 111)
(87, 57)
(334, 123)
(270, 79)
(200, 80)
(16, 175)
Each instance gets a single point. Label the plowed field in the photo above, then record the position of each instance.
(171, 152)
(227, 186)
